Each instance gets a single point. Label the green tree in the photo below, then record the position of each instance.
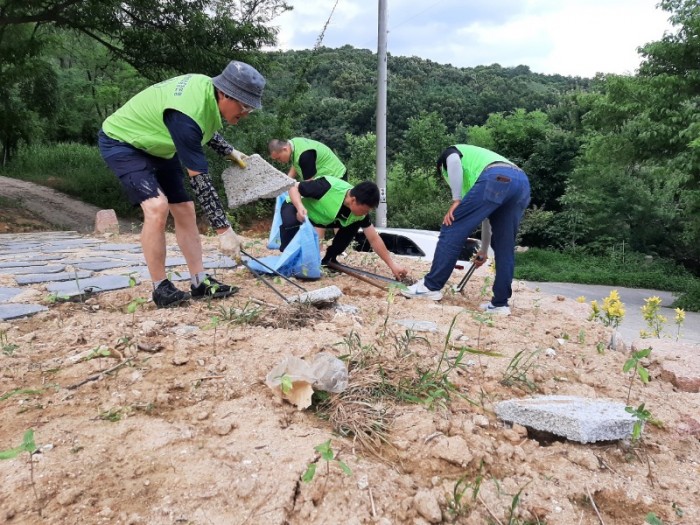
(156, 37)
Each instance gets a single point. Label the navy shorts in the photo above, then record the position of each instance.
(142, 175)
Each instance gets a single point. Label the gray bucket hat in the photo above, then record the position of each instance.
(242, 82)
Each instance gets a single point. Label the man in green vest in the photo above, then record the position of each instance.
(309, 158)
(486, 189)
(148, 140)
(330, 202)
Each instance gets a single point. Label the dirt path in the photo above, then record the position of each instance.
(45, 205)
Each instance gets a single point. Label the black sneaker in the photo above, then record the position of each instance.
(210, 288)
(168, 296)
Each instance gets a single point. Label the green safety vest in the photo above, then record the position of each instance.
(474, 161)
(325, 210)
(139, 122)
(327, 162)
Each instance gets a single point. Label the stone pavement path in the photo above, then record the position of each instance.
(66, 264)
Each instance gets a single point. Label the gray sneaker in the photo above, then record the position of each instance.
(419, 291)
(496, 310)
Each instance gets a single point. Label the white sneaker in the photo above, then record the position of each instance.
(496, 310)
(420, 291)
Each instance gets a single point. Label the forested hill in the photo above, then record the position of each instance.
(335, 92)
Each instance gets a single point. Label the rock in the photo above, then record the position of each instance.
(222, 428)
(68, 497)
(180, 358)
(453, 449)
(426, 505)
(106, 222)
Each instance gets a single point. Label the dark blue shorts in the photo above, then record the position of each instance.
(142, 175)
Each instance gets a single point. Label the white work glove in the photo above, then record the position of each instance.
(237, 157)
(230, 244)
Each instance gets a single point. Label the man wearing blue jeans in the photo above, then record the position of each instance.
(489, 189)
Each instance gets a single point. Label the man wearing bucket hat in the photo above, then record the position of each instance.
(146, 141)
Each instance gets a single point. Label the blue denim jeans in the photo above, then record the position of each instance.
(501, 194)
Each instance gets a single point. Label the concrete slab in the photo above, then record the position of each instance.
(21, 264)
(35, 257)
(327, 295)
(14, 310)
(99, 266)
(259, 180)
(49, 268)
(36, 278)
(575, 418)
(175, 261)
(102, 283)
(123, 247)
(6, 293)
(142, 272)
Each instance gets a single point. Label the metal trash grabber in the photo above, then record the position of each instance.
(460, 287)
(364, 276)
(327, 294)
(278, 274)
(266, 283)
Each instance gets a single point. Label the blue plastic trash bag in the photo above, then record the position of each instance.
(301, 258)
(273, 243)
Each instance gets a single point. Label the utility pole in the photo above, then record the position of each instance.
(381, 114)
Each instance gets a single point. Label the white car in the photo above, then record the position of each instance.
(416, 243)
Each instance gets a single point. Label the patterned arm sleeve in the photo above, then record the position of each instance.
(219, 145)
(209, 200)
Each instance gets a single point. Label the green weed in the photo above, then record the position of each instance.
(516, 373)
(325, 453)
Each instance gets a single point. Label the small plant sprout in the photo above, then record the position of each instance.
(29, 446)
(655, 321)
(610, 313)
(7, 348)
(213, 324)
(581, 336)
(581, 299)
(326, 453)
(457, 502)
(634, 365)
(642, 415)
(679, 319)
(485, 287)
(518, 368)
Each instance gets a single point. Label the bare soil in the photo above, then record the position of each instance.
(186, 431)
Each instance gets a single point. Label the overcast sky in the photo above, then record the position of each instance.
(568, 37)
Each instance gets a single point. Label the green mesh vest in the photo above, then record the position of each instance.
(325, 210)
(139, 122)
(474, 160)
(327, 163)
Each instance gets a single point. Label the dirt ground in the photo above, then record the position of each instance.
(184, 429)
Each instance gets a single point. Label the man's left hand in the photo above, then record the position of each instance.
(237, 157)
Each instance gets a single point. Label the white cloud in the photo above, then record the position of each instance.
(569, 37)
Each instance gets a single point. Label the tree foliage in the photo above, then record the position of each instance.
(159, 37)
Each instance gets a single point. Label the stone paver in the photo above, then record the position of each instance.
(70, 264)
(259, 180)
(575, 418)
(16, 310)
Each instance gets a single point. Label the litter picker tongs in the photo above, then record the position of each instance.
(314, 296)
(365, 276)
(460, 287)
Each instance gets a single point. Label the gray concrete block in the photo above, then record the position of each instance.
(15, 310)
(6, 294)
(259, 180)
(102, 283)
(99, 265)
(50, 268)
(329, 294)
(575, 418)
(36, 278)
(21, 264)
